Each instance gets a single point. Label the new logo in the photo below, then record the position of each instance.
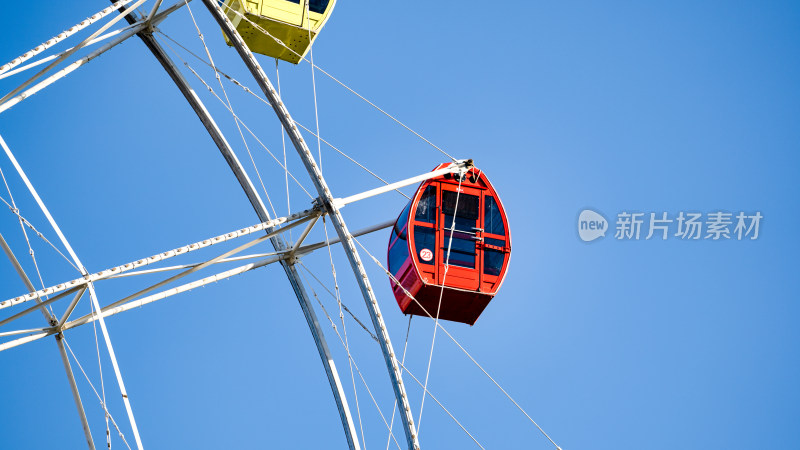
(591, 225)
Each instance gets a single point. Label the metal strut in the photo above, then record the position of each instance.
(332, 209)
(90, 287)
(52, 320)
(277, 241)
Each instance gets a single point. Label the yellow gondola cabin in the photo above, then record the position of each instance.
(295, 23)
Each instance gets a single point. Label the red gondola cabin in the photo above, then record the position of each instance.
(479, 253)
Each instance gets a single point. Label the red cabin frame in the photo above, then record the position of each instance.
(479, 252)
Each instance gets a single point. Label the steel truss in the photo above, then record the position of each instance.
(79, 285)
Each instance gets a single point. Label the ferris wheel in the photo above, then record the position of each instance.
(446, 257)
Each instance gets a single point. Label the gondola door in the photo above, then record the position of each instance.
(464, 204)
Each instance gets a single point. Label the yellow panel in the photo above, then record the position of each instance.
(283, 10)
(282, 19)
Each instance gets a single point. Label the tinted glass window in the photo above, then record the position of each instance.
(426, 208)
(318, 6)
(467, 204)
(425, 239)
(402, 220)
(493, 220)
(398, 253)
(466, 218)
(462, 251)
(493, 262)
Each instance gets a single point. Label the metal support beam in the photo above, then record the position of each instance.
(127, 304)
(459, 166)
(361, 232)
(153, 11)
(40, 306)
(71, 307)
(263, 215)
(10, 101)
(61, 36)
(161, 256)
(66, 55)
(92, 293)
(123, 270)
(300, 240)
(74, 388)
(333, 211)
(64, 359)
(41, 61)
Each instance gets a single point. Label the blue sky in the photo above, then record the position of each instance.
(613, 106)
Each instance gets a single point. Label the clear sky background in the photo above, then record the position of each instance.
(615, 106)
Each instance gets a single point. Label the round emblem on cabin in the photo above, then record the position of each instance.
(425, 254)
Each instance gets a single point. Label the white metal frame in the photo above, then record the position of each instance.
(285, 253)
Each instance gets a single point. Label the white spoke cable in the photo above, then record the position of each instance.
(351, 159)
(266, 33)
(63, 35)
(322, 285)
(391, 435)
(102, 400)
(25, 234)
(344, 327)
(230, 107)
(396, 282)
(228, 77)
(394, 406)
(439, 307)
(386, 114)
(283, 141)
(249, 91)
(314, 89)
(210, 89)
(442, 406)
(352, 361)
(22, 219)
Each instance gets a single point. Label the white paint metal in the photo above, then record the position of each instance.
(41, 61)
(92, 293)
(61, 36)
(459, 166)
(109, 273)
(153, 10)
(7, 102)
(76, 396)
(69, 53)
(311, 247)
